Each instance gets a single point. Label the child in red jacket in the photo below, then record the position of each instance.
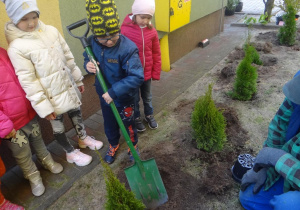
(137, 27)
(19, 128)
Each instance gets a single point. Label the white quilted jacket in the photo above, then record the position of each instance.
(45, 68)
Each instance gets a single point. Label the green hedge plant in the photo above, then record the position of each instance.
(208, 124)
(288, 32)
(118, 197)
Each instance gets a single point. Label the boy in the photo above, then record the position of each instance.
(121, 67)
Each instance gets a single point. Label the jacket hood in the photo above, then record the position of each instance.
(12, 32)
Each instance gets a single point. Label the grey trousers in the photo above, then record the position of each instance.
(28, 135)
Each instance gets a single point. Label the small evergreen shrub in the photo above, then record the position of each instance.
(245, 81)
(287, 33)
(251, 52)
(118, 197)
(208, 124)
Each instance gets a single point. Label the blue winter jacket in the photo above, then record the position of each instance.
(120, 66)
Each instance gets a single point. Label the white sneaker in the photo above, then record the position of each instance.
(91, 143)
(78, 158)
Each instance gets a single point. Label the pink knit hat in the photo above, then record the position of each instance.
(143, 7)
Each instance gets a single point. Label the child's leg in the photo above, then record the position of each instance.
(84, 140)
(76, 117)
(37, 143)
(137, 112)
(111, 127)
(59, 133)
(2, 172)
(286, 201)
(146, 95)
(127, 116)
(36, 140)
(261, 200)
(22, 153)
(72, 155)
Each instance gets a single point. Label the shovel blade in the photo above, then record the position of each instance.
(149, 186)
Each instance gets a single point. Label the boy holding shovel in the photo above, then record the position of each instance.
(121, 67)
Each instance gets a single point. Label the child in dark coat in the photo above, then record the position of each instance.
(121, 67)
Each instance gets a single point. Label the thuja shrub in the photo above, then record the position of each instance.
(208, 124)
(252, 54)
(118, 197)
(287, 33)
(245, 81)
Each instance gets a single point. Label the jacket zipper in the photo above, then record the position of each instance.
(144, 60)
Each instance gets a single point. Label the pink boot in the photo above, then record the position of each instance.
(7, 205)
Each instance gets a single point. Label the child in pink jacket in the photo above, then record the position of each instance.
(19, 127)
(137, 27)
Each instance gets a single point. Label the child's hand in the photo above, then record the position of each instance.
(91, 67)
(155, 80)
(51, 116)
(107, 98)
(81, 88)
(12, 134)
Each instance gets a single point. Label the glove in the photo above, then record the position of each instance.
(252, 177)
(267, 157)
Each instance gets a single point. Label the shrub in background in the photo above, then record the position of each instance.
(245, 82)
(287, 33)
(208, 124)
(118, 197)
(251, 52)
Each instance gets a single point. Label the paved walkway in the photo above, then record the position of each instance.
(184, 73)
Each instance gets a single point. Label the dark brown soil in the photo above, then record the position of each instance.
(190, 173)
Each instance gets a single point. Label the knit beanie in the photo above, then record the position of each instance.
(291, 89)
(103, 17)
(143, 7)
(17, 9)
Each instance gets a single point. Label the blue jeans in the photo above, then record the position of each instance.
(146, 96)
(272, 199)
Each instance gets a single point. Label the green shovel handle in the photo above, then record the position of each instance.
(115, 111)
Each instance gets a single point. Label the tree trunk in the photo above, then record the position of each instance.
(268, 8)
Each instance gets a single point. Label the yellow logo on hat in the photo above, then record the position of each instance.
(97, 20)
(94, 8)
(25, 6)
(105, 1)
(108, 11)
(112, 23)
(99, 31)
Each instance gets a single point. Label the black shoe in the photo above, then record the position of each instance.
(151, 122)
(139, 125)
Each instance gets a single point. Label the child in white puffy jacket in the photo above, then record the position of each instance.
(47, 72)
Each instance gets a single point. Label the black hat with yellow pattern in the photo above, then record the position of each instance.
(103, 17)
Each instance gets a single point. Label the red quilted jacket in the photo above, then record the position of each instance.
(148, 44)
(15, 109)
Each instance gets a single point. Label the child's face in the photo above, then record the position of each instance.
(29, 22)
(108, 41)
(143, 20)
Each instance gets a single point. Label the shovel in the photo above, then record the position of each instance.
(143, 176)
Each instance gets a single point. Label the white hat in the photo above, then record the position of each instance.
(17, 9)
(143, 7)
